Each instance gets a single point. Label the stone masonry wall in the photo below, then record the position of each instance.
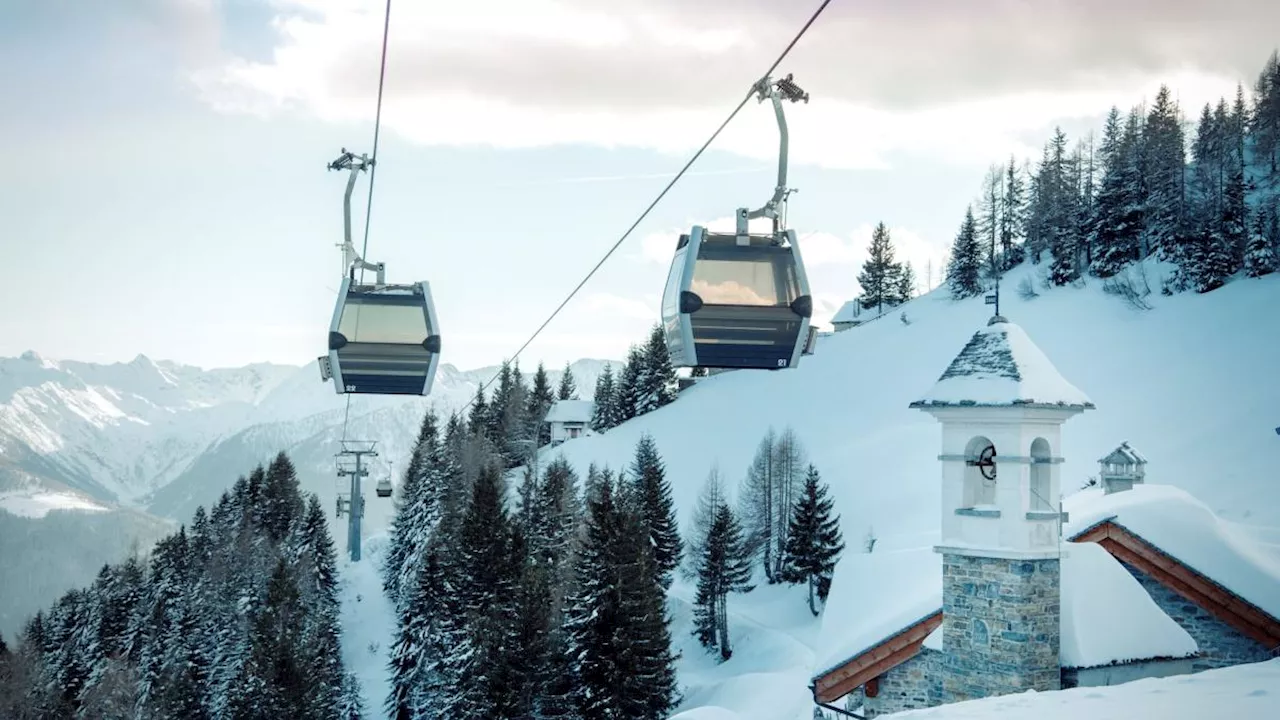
(1001, 631)
(914, 684)
(1220, 644)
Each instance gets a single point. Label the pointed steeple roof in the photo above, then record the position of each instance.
(1001, 367)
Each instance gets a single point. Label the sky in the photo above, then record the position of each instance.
(167, 191)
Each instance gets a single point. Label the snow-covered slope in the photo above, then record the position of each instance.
(1191, 381)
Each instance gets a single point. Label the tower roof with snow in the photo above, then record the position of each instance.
(1001, 367)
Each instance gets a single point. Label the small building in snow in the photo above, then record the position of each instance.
(849, 315)
(569, 419)
(1026, 590)
(1121, 469)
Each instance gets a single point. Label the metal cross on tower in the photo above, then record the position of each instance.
(351, 462)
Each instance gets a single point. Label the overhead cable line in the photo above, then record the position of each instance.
(373, 173)
(786, 51)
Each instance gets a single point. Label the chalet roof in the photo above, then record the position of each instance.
(570, 411)
(1107, 616)
(1125, 455)
(1001, 366)
(848, 312)
(1170, 527)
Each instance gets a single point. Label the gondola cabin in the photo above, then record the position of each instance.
(383, 488)
(383, 340)
(737, 301)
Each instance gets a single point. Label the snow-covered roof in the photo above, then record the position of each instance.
(1125, 455)
(848, 312)
(1185, 529)
(1240, 692)
(874, 596)
(1107, 616)
(1001, 366)
(570, 411)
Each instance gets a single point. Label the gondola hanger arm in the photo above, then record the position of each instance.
(351, 260)
(775, 91)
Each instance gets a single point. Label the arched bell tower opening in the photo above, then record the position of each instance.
(979, 474)
(1043, 498)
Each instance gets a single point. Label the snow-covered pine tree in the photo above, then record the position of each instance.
(516, 438)
(878, 274)
(648, 690)
(966, 260)
(1059, 199)
(989, 220)
(1259, 255)
(318, 587)
(1265, 122)
(568, 389)
(541, 397)
(1213, 258)
(351, 706)
(553, 545)
(1110, 220)
(906, 289)
(602, 413)
(593, 623)
(488, 576)
(617, 621)
(282, 502)
(276, 652)
(419, 645)
(816, 542)
(628, 386)
(724, 567)
(1164, 157)
(658, 379)
(657, 507)
(1012, 216)
(477, 418)
(410, 523)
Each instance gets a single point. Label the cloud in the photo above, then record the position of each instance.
(615, 306)
(960, 81)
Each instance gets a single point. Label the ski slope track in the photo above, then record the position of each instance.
(1192, 382)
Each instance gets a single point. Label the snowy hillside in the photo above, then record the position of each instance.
(123, 432)
(1190, 381)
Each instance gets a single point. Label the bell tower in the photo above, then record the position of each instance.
(1002, 405)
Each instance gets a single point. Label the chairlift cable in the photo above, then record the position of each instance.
(373, 173)
(656, 200)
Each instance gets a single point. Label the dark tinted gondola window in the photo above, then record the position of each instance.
(366, 322)
(765, 280)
